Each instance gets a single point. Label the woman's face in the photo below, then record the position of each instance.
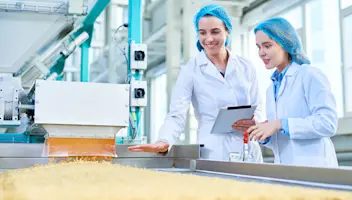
(212, 34)
(272, 54)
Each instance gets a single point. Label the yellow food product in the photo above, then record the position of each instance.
(80, 146)
(83, 180)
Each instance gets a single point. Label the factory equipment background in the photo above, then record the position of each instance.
(90, 78)
(168, 31)
(165, 40)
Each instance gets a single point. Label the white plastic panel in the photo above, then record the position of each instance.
(39, 1)
(78, 103)
(81, 131)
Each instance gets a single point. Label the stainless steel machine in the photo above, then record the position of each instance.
(38, 106)
(186, 159)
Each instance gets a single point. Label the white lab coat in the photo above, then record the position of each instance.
(305, 99)
(201, 83)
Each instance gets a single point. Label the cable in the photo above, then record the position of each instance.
(116, 43)
(127, 79)
(137, 127)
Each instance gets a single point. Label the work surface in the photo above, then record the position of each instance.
(184, 159)
(86, 180)
(248, 178)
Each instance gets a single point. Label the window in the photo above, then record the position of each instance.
(294, 17)
(117, 17)
(315, 32)
(125, 15)
(73, 58)
(94, 53)
(97, 33)
(90, 56)
(323, 43)
(193, 126)
(158, 105)
(69, 60)
(345, 3)
(347, 39)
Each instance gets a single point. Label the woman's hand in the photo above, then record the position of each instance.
(159, 147)
(264, 130)
(243, 124)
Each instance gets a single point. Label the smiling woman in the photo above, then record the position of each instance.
(212, 34)
(212, 38)
(214, 28)
(213, 79)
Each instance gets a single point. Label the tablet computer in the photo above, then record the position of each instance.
(227, 116)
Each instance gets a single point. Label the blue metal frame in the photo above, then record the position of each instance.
(135, 35)
(88, 26)
(20, 138)
(84, 62)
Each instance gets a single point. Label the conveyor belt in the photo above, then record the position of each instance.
(185, 159)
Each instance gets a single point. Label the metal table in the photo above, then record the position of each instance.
(186, 159)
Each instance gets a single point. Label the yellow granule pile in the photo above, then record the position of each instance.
(82, 180)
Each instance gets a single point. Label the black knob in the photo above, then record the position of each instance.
(139, 93)
(139, 55)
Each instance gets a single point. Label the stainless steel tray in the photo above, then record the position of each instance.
(186, 159)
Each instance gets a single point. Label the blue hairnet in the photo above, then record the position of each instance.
(280, 30)
(216, 11)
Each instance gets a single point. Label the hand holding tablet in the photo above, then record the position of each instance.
(234, 119)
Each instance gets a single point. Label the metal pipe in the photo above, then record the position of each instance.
(227, 3)
(45, 8)
(28, 107)
(134, 20)
(112, 75)
(134, 35)
(75, 43)
(85, 62)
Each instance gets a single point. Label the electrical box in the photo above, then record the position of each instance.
(138, 93)
(138, 56)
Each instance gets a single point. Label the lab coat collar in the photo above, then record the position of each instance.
(278, 77)
(291, 70)
(209, 68)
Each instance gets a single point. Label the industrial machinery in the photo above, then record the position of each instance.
(186, 159)
(42, 116)
(36, 106)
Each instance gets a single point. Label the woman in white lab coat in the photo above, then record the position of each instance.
(300, 106)
(215, 78)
